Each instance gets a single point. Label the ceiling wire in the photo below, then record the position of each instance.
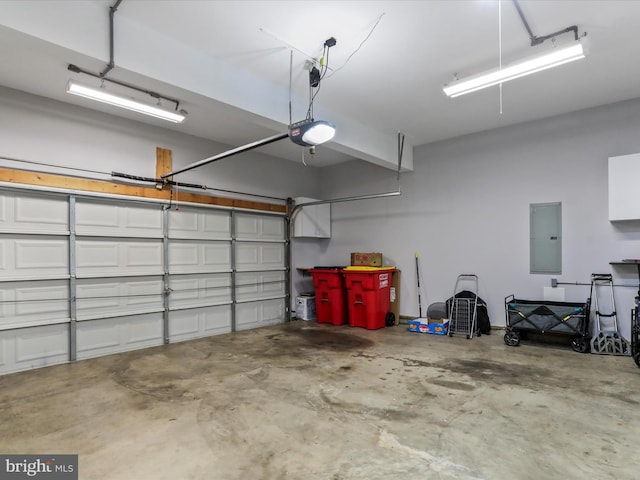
(359, 46)
(324, 67)
(307, 56)
(500, 47)
(309, 113)
(55, 166)
(400, 152)
(290, 80)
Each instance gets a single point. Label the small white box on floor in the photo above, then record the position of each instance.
(306, 307)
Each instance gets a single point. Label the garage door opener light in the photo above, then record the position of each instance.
(310, 133)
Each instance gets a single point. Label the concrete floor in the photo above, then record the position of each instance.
(308, 401)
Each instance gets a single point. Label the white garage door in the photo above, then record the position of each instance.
(85, 276)
(260, 263)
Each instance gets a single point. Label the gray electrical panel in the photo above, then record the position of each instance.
(545, 235)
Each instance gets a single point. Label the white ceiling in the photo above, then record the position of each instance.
(228, 62)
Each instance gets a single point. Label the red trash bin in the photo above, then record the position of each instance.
(331, 295)
(368, 296)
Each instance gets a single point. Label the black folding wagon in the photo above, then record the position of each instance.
(565, 318)
(635, 332)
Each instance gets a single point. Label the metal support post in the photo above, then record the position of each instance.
(165, 277)
(72, 280)
(233, 272)
(288, 271)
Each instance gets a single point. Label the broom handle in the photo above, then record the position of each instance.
(418, 278)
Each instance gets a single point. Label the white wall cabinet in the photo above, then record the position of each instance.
(312, 221)
(624, 194)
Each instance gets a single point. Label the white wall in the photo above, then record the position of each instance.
(465, 209)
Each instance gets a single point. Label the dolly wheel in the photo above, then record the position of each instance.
(512, 338)
(390, 319)
(636, 358)
(580, 344)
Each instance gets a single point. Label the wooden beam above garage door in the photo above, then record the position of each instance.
(97, 186)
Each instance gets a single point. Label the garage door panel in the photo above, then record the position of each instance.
(41, 253)
(247, 226)
(27, 348)
(259, 314)
(218, 255)
(144, 330)
(33, 213)
(193, 257)
(247, 255)
(199, 322)
(29, 303)
(267, 228)
(4, 213)
(33, 257)
(273, 227)
(217, 320)
(46, 309)
(147, 218)
(147, 292)
(217, 224)
(200, 290)
(273, 255)
(41, 343)
(96, 216)
(118, 219)
(94, 254)
(259, 256)
(118, 257)
(4, 352)
(88, 304)
(97, 336)
(104, 297)
(203, 224)
(259, 285)
(121, 334)
(143, 254)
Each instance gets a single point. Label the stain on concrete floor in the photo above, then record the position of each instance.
(308, 401)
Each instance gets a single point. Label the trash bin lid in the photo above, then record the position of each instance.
(357, 268)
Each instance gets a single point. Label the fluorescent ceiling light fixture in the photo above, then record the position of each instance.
(309, 133)
(552, 58)
(101, 95)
